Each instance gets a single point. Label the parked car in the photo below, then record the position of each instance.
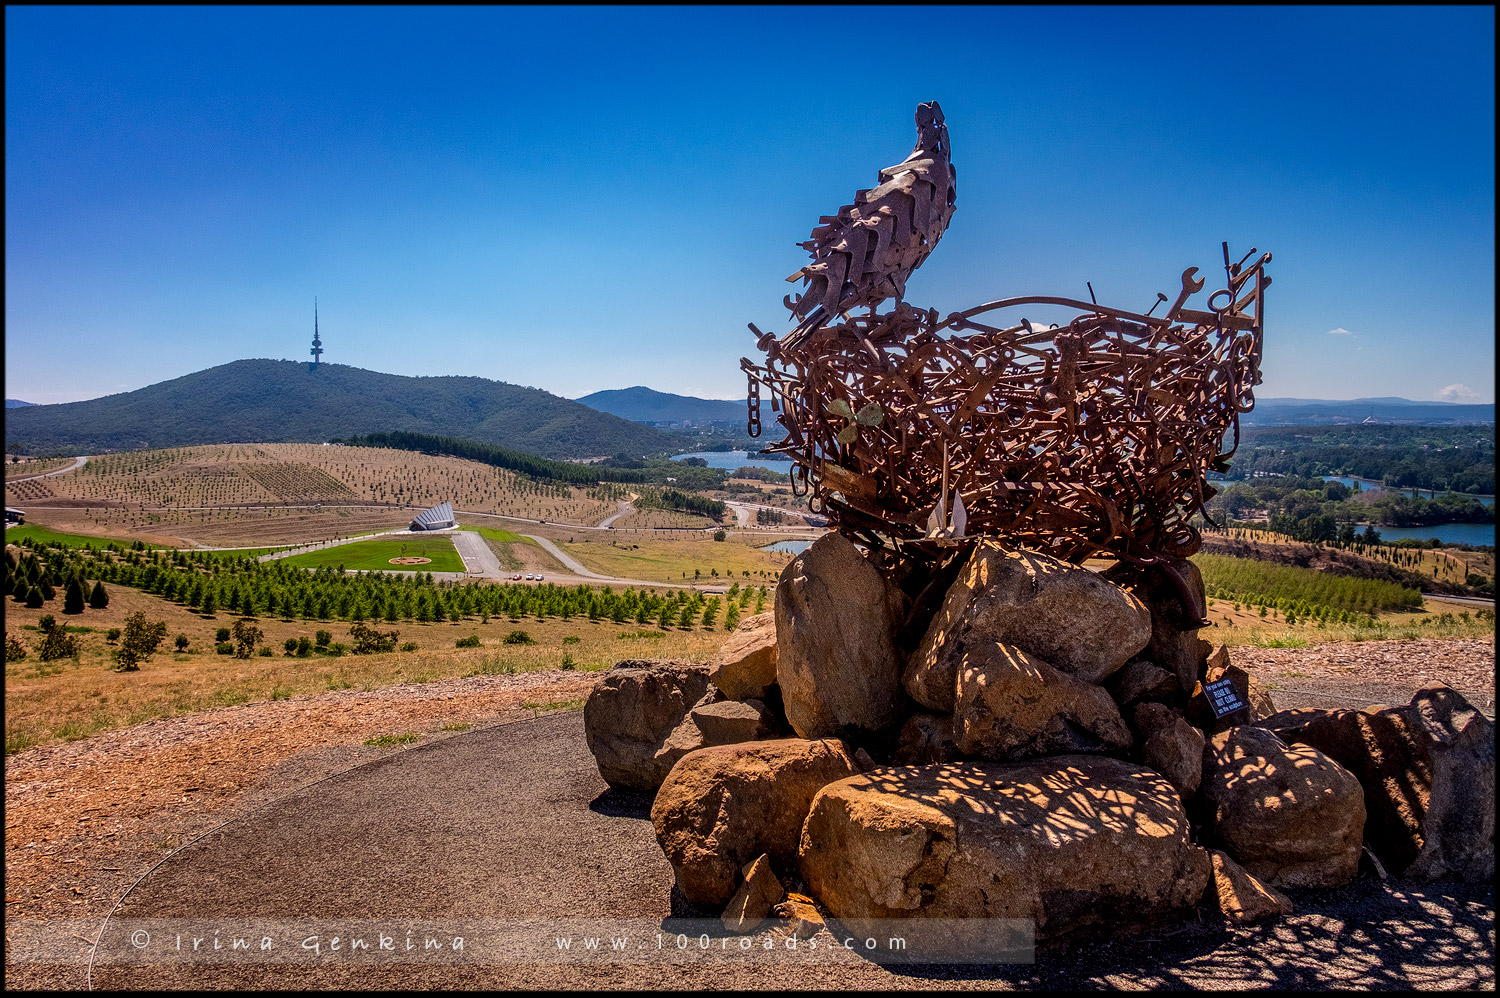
(516, 577)
(540, 577)
(528, 576)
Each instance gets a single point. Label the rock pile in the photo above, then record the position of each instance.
(1050, 746)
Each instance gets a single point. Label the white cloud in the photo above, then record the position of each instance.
(1457, 393)
(1341, 331)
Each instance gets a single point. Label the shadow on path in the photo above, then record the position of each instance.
(512, 825)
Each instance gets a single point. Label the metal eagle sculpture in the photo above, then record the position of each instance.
(1087, 439)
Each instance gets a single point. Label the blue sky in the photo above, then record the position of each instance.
(588, 198)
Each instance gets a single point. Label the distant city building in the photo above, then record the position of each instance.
(439, 517)
(317, 347)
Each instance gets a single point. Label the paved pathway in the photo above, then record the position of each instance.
(479, 560)
(78, 462)
(625, 507)
(508, 836)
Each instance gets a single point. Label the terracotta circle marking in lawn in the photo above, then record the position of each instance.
(410, 561)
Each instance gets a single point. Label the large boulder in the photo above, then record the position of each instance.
(1010, 705)
(837, 663)
(1067, 616)
(1178, 610)
(723, 806)
(1241, 898)
(1289, 814)
(1076, 843)
(727, 721)
(1171, 746)
(635, 720)
(745, 667)
(924, 739)
(1428, 772)
(1142, 680)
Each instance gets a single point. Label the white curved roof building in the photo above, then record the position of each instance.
(439, 517)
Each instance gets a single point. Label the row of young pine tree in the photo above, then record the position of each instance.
(33, 581)
(207, 584)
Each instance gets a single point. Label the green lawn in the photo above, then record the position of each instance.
(500, 542)
(496, 534)
(375, 556)
(42, 535)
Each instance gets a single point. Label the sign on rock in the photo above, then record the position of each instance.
(1223, 698)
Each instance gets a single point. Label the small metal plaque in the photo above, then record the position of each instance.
(1223, 698)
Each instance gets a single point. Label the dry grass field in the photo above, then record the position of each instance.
(22, 467)
(647, 519)
(120, 487)
(675, 560)
(62, 700)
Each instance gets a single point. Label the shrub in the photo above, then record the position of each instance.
(14, 650)
(409, 646)
(519, 638)
(225, 648)
(571, 639)
(567, 663)
(337, 648)
(98, 599)
(720, 535)
(246, 636)
(181, 642)
(304, 646)
(222, 634)
(58, 643)
(472, 641)
(323, 638)
(139, 641)
(265, 652)
(291, 646)
(46, 622)
(112, 635)
(368, 641)
(34, 598)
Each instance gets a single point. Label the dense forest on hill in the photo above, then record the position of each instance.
(1440, 458)
(271, 401)
(1310, 509)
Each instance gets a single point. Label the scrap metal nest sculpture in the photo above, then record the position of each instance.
(1082, 440)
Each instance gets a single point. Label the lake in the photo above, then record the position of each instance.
(732, 460)
(792, 547)
(1448, 533)
(1366, 484)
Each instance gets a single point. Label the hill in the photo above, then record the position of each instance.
(1314, 412)
(643, 405)
(17, 404)
(281, 401)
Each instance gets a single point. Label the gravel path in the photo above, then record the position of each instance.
(508, 837)
(511, 820)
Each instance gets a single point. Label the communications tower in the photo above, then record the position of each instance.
(317, 347)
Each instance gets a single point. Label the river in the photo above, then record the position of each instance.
(732, 460)
(1366, 484)
(1448, 533)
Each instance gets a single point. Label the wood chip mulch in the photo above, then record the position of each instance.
(85, 820)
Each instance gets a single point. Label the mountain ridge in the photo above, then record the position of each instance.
(276, 401)
(647, 405)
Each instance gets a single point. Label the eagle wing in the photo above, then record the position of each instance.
(864, 254)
